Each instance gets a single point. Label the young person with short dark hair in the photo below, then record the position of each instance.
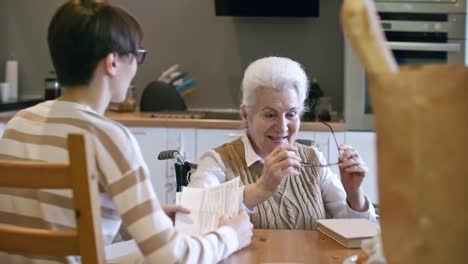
(95, 49)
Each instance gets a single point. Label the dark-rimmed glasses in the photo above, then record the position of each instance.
(328, 164)
(140, 55)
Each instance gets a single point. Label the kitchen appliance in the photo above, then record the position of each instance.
(421, 6)
(417, 32)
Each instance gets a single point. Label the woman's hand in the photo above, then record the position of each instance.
(353, 170)
(172, 209)
(281, 162)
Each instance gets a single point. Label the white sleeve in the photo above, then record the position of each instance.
(334, 195)
(211, 172)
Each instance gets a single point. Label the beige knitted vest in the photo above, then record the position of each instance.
(298, 202)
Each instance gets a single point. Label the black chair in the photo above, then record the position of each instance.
(182, 167)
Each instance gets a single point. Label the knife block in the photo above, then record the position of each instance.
(160, 96)
(421, 116)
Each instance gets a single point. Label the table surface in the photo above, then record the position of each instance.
(291, 246)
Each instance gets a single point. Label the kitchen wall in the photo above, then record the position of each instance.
(25, 37)
(3, 38)
(214, 49)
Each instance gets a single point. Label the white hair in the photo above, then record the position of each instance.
(274, 73)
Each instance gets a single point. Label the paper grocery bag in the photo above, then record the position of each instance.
(421, 115)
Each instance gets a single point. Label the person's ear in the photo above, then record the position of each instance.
(244, 112)
(110, 64)
(244, 115)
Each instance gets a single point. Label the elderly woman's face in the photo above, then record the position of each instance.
(273, 120)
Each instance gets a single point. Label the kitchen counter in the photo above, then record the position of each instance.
(145, 120)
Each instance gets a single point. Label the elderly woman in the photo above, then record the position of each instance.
(283, 193)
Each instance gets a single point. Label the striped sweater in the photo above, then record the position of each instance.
(39, 133)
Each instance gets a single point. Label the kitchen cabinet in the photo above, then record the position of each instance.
(326, 144)
(192, 143)
(152, 141)
(207, 139)
(365, 144)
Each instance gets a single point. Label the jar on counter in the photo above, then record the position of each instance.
(128, 104)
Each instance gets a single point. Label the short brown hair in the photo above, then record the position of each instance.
(82, 33)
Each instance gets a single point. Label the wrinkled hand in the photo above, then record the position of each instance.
(242, 225)
(281, 162)
(352, 169)
(172, 209)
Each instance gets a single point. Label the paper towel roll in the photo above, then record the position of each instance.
(11, 76)
(4, 91)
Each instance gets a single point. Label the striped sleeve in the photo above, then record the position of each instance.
(144, 218)
(40, 133)
(153, 230)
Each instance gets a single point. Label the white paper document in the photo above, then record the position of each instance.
(207, 206)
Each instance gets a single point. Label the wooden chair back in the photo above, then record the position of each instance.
(86, 240)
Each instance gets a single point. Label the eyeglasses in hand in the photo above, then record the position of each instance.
(140, 55)
(327, 164)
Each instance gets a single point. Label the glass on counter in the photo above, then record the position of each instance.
(128, 104)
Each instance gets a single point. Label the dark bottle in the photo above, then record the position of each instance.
(315, 92)
(52, 87)
(323, 109)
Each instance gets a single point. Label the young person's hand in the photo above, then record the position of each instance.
(172, 209)
(242, 225)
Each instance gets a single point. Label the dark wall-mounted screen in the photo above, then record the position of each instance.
(289, 8)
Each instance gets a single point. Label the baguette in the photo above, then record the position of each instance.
(361, 26)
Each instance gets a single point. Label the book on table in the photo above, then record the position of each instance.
(348, 232)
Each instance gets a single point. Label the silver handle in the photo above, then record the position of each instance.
(422, 46)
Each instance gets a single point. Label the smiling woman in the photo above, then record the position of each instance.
(286, 193)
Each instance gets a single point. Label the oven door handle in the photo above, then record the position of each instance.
(423, 46)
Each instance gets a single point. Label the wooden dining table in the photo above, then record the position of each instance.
(291, 246)
(268, 246)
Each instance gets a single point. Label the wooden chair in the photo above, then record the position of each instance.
(86, 240)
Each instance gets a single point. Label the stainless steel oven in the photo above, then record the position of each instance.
(418, 32)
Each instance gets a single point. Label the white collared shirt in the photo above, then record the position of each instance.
(211, 172)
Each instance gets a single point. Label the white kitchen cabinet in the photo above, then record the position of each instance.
(364, 143)
(333, 152)
(192, 143)
(326, 143)
(152, 141)
(207, 139)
